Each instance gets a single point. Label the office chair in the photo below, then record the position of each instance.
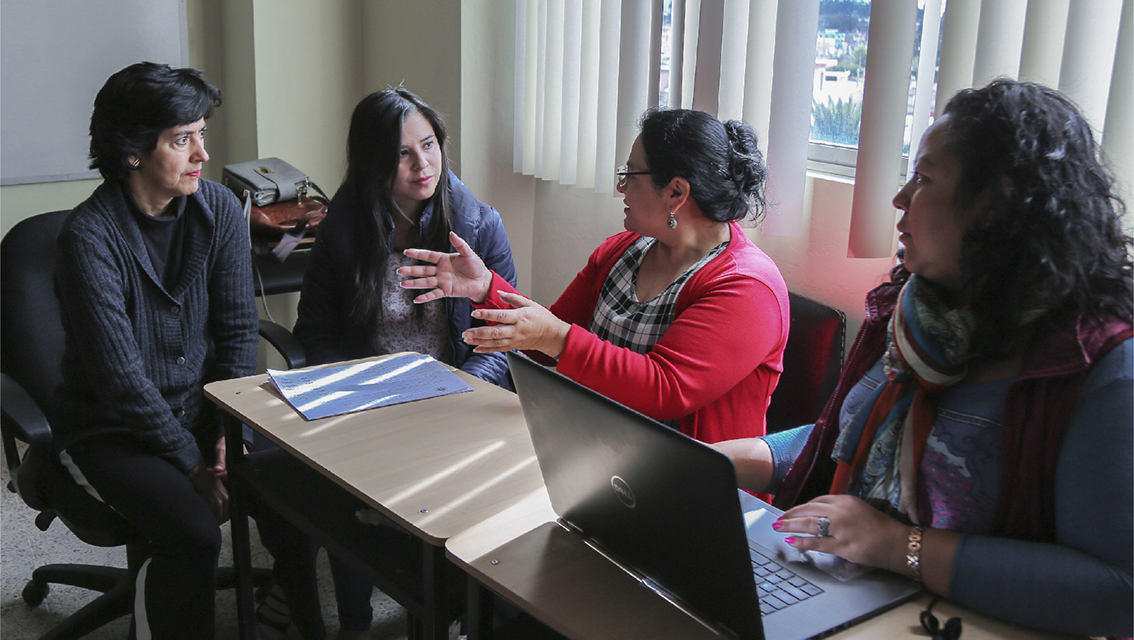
(31, 344)
(813, 359)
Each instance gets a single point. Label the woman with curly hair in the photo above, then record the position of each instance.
(680, 317)
(980, 437)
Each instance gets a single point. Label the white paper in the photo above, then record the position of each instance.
(331, 391)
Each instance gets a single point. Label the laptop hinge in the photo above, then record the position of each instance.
(647, 582)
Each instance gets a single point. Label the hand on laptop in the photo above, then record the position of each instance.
(857, 532)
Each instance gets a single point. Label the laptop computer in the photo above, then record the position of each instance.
(667, 509)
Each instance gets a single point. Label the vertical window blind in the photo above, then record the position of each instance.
(587, 69)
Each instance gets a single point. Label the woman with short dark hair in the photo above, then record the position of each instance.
(681, 317)
(155, 285)
(980, 437)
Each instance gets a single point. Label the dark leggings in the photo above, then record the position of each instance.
(177, 594)
(352, 595)
(179, 577)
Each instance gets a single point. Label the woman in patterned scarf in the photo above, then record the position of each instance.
(980, 437)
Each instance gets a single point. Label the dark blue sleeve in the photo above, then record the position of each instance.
(323, 324)
(1082, 583)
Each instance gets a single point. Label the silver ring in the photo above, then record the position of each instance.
(824, 527)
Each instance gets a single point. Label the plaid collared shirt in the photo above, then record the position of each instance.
(621, 319)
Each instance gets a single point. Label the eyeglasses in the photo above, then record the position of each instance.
(623, 172)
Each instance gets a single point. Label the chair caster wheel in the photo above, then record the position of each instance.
(34, 594)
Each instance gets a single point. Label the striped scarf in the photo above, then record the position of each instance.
(880, 451)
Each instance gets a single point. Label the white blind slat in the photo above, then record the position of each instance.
(572, 59)
(1117, 144)
(707, 78)
(606, 126)
(1043, 41)
(923, 99)
(553, 90)
(519, 95)
(734, 56)
(1000, 40)
(633, 76)
(689, 59)
(1088, 56)
(676, 51)
(880, 138)
(541, 86)
(789, 127)
(958, 48)
(758, 69)
(588, 92)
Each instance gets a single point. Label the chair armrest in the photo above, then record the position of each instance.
(285, 343)
(23, 419)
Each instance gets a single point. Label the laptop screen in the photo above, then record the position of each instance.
(660, 503)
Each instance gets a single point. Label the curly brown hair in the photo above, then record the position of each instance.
(1053, 239)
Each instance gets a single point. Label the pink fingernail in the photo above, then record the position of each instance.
(777, 525)
(790, 539)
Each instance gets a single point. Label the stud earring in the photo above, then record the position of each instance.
(672, 223)
(134, 162)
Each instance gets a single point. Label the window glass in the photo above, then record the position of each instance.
(840, 71)
(841, 47)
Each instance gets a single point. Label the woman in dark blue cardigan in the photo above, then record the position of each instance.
(155, 285)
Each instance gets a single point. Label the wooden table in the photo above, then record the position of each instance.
(528, 559)
(434, 467)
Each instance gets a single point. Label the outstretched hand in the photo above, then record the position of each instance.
(529, 326)
(450, 275)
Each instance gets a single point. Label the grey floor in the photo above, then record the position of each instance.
(23, 547)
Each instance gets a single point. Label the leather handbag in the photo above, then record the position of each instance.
(277, 204)
(265, 181)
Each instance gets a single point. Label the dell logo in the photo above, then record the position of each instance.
(622, 490)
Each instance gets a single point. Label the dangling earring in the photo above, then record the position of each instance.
(672, 221)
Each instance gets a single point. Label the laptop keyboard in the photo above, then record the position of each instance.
(778, 586)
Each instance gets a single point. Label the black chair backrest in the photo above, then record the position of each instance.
(812, 361)
(31, 355)
(31, 350)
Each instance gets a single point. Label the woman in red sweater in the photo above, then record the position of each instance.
(680, 317)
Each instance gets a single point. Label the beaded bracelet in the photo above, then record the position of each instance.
(913, 553)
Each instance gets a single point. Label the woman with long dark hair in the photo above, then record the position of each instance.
(980, 437)
(398, 193)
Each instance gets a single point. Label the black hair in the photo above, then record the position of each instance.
(373, 144)
(1052, 240)
(720, 160)
(136, 104)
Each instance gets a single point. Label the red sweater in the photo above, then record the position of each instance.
(717, 364)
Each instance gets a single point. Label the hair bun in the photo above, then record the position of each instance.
(746, 163)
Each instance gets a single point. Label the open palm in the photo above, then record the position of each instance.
(449, 275)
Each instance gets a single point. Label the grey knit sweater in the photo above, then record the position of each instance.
(137, 355)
